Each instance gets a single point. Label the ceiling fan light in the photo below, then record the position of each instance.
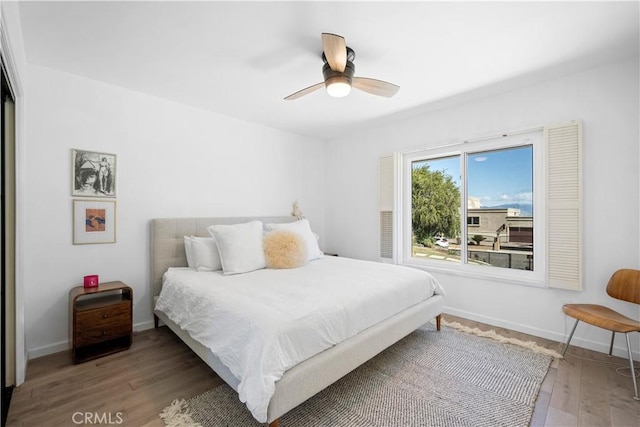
(338, 86)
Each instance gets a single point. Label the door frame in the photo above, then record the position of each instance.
(8, 62)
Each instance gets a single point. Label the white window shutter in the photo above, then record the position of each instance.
(386, 201)
(563, 152)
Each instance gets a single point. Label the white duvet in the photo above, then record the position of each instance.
(262, 323)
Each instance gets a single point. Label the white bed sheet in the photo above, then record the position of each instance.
(262, 323)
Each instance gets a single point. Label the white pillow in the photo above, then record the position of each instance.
(188, 250)
(303, 228)
(240, 246)
(206, 256)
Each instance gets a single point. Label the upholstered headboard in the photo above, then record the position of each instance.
(167, 241)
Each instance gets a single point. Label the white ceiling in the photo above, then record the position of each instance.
(242, 58)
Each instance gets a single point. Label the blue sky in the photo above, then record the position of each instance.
(495, 177)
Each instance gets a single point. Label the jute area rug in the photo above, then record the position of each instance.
(429, 378)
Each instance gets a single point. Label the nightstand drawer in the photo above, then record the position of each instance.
(95, 335)
(104, 316)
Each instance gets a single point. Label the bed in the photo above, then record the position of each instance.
(314, 373)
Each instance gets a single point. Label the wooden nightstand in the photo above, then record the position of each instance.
(101, 320)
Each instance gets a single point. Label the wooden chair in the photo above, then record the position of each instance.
(623, 285)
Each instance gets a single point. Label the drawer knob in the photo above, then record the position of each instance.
(104, 333)
(104, 316)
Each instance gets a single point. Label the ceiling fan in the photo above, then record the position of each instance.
(338, 72)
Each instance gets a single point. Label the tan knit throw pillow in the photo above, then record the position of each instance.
(284, 249)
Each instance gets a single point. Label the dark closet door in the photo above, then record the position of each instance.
(5, 389)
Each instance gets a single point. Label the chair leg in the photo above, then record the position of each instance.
(566, 346)
(633, 372)
(613, 335)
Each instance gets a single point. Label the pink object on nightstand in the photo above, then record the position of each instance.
(91, 281)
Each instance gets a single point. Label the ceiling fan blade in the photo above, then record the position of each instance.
(375, 87)
(335, 50)
(304, 91)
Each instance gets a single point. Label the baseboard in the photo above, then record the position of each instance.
(143, 326)
(58, 347)
(620, 351)
(602, 347)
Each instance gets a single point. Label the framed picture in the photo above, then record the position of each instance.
(94, 174)
(94, 221)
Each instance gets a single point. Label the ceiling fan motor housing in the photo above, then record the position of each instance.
(331, 75)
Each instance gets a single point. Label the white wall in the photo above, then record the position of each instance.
(173, 160)
(606, 99)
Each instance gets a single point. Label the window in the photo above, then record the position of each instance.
(493, 188)
(550, 229)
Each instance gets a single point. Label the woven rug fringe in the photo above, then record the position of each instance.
(501, 338)
(178, 415)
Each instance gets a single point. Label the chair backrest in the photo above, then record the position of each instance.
(625, 285)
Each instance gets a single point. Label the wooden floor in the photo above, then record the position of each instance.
(132, 387)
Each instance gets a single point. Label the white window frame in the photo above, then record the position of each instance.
(535, 138)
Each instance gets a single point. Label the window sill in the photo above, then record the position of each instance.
(476, 274)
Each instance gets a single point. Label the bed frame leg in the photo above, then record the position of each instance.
(274, 423)
(438, 319)
(155, 321)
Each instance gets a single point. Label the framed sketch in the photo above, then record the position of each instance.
(94, 221)
(94, 174)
